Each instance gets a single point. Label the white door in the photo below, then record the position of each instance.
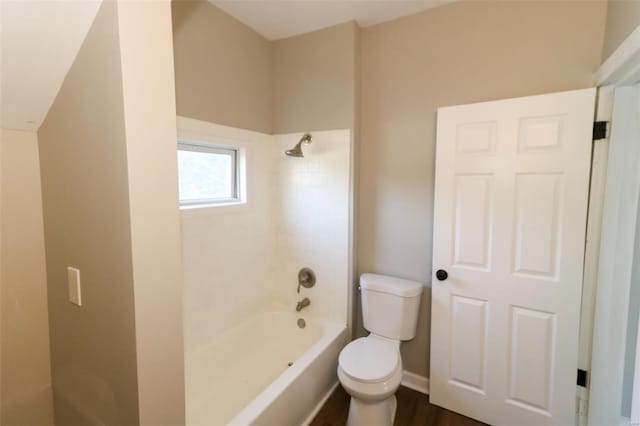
(510, 212)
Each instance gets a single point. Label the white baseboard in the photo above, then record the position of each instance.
(317, 408)
(415, 381)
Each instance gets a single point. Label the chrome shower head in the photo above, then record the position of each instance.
(296, 151)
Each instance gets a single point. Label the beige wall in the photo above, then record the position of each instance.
(152, 172)
(455, 54)
(85, 197)
(119, 358)
(623, 16)
(228, 74)
(314, 80)
(26, 377)
(223, 69)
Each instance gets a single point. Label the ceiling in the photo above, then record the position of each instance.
(276, 19)
(39, 41)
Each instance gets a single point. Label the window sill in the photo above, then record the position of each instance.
(214, 208)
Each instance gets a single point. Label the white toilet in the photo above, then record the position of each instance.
(370, 368)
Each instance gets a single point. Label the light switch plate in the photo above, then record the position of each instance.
(75, 293)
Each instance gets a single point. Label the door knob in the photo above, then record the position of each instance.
(441, 275)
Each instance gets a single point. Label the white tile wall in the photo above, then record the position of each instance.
(228, 251)
(244, 258)
(312, 204)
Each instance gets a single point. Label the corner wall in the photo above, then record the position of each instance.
(623, 17)
(228, 74)
(118, 358)
(152, 175)
(25, 387)
(314, 80)
(86, 219)
(223, 68)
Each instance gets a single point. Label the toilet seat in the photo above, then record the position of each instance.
(370, 359)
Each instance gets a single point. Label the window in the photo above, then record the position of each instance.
(207, 174)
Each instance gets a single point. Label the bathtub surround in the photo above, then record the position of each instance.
(296, 215)
(312, 222)
(241, 265)
(26, 377)
(102, 209)
(228, 250)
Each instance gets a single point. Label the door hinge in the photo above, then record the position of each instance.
(582, 378)
(600, 130)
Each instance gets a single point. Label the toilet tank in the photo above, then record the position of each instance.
(390, 306)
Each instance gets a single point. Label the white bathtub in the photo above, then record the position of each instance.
(243, 377)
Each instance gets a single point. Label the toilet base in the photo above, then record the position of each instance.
(372, 413)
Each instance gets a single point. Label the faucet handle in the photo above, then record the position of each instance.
(306, 278)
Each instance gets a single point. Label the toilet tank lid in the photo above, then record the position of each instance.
(390, 285)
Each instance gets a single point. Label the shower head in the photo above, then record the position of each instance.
(296, 151)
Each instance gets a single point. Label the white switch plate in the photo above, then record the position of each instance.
(75, 293)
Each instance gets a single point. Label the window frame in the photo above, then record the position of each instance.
(236, 185)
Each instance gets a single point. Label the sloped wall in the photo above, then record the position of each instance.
(86, 220)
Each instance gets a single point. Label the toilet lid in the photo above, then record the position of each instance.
(369, 359)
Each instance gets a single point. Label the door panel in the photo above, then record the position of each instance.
(536, 236)
(531, 358)
(472, 234)
(509, 227)
(468, 355)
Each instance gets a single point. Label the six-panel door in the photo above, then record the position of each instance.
(511, 192)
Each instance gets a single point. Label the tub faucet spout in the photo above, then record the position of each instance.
(302, 304)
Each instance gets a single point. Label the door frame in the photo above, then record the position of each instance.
(600, 152)
(623, 66)
(620, 69)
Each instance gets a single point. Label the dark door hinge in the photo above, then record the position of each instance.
(600, 130)
(582, 378)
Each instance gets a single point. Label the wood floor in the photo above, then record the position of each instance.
(413, 409)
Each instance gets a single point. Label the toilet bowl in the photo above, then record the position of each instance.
(370, 368)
